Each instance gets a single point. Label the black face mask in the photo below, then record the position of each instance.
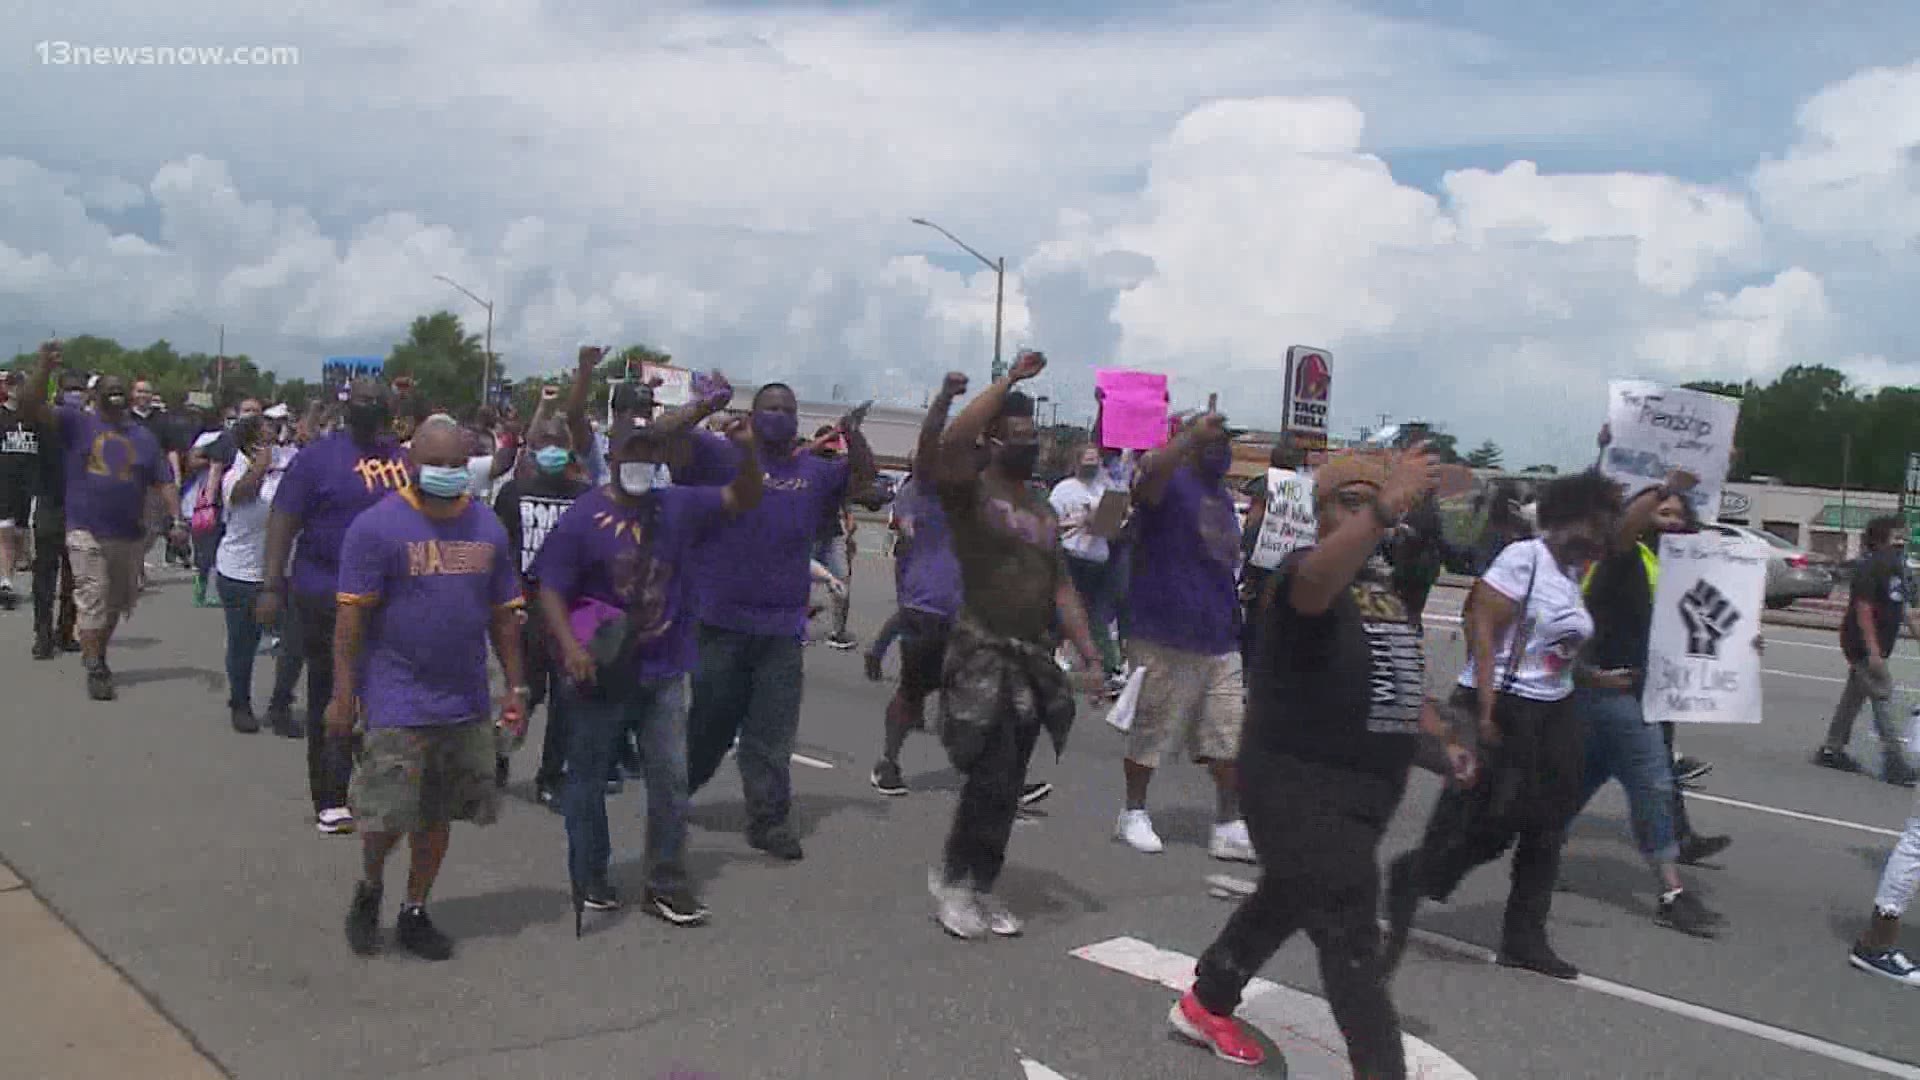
(1017, 459)
(366, 418)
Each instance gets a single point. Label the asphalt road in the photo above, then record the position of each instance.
(183, 852)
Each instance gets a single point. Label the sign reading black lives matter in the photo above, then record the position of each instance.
(1657, 429)
(1702, 667)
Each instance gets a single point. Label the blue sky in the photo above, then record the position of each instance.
(1485, 210)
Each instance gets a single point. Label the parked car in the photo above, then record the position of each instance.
(1792, 572)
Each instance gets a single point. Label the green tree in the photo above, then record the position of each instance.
(1444, 446)
(1485, 456)
(444, 361)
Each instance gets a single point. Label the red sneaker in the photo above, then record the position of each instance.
(1223, 1035)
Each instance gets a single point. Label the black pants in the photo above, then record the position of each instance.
(543, 682)
(989, 803)
(1316, 829)
(1529, 793)
(329, 760)
(52, 577)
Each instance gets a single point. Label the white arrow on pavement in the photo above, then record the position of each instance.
(1300, 1024)
(1037, 1071)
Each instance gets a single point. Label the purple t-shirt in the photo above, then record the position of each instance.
(327, 486)
(109, 471)
(929, 577)
(1183, 593)
(754, 576)
(431, 586)
(628, 556)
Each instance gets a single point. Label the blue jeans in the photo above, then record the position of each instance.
(243, 637)
(597, 718)
(1622, 746)
(747, 685)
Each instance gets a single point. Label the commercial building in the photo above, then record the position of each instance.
(1826, 521)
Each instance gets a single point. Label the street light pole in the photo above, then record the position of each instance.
(999, 268)
(486, 377)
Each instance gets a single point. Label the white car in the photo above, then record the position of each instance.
(1792, 573)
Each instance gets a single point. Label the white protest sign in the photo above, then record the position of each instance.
(1657, 429)
(676, 384)
(1289, 523)
(1702, 667)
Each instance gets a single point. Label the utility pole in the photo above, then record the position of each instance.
(486, 375)
(999, 268)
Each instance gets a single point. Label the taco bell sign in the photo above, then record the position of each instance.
(1309, 393)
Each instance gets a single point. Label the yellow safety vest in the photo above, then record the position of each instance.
(1648, 559)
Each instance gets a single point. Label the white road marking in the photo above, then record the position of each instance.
(1037, 1071)
(1810, 1044)
(1300, 1024)
(811, 762)
(1795, 814)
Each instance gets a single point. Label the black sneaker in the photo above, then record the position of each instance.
(8, 599)
(70, 644)
(1035, 793)
(280, 720)
(1897, 772)
(600, 896)
(1695, 850)
(243, 719)
(1683, 912)
(874, 671)
(843, 641)
(1540, 959)
(676, 905)
(886, 778)
(547, 794)
(1689, 770)
(43, 647)
(778, 842)
(100, 683)
(1828, 757)
(417, 934)
(363, 919)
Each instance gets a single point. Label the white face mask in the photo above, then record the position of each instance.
(636, 477)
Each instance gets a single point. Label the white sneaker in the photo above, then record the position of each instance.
(1231, 843)
(335, 822)
(955, 908)
(1000, 920)
(1136, 829)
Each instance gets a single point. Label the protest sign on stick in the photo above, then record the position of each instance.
(1702, 666)
(1290, 523)
(1657, 429)
(1133, 409)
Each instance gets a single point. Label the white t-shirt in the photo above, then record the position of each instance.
(1075, 501)
(243, 549)
(480, 476)
(1555, 621)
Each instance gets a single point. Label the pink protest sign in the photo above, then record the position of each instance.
(1133, 409)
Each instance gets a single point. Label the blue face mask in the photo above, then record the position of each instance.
(552, 459)
(443, 481)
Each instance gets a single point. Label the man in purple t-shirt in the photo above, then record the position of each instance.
(113, 465)
(616, 594)
(426, 578)
(752, 588)
(1186, 630)
(328, 485)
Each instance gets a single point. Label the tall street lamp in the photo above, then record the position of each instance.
(486, 381)
(999, 268)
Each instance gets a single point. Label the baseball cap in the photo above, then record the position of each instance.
(626, 429)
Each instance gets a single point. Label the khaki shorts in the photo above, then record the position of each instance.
(1187, 696)
(106, 578)
(413, 778)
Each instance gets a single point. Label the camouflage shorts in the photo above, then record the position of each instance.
(407, 779)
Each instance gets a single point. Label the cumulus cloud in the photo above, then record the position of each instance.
(735, 187)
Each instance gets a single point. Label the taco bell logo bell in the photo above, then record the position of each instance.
(1309, 390)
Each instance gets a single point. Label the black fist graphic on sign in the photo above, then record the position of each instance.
(1709, 617)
